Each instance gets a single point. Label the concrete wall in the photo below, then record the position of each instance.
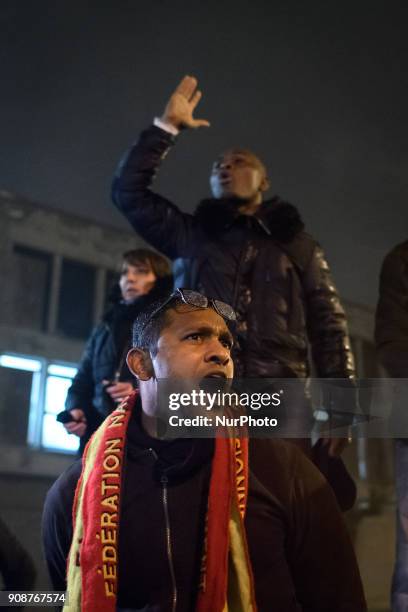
(28, 224)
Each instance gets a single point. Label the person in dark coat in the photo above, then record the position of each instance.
(103, 378)
(251, 253)
(391, 334)
(194, 524)
(17, 568)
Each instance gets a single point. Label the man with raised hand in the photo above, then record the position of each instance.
(243, 250)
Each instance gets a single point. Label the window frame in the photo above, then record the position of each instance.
(37, 409)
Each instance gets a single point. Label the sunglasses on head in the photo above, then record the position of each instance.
(198, 300)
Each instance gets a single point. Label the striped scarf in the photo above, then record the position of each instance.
(226, 582)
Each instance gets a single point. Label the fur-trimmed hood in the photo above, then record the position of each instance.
(279, 219)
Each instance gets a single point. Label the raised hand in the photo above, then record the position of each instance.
(180, 108)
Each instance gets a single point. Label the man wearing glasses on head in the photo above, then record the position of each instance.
(165, 525)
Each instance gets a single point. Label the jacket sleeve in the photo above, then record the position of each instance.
(326, 321)
(325, 568)
(156, 219)
(81, 392)
(391, 321)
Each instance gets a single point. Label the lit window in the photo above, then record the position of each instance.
(20, 384)
(20, 363)
(62, 370)
(39, 389)
(54, 435)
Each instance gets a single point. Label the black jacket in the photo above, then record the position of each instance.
(104, 358)
(272, 272)
(391, 331)
(300, 551)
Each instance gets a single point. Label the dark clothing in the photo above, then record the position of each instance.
(16, 566)
(104, 358)
(293, 526)
(272, 272)
(391, 332)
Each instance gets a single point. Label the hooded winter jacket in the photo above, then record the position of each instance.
(104, 358)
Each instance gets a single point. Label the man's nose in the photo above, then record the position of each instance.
(217, 353)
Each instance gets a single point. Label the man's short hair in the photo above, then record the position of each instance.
(159, 264)
(147, 328)
(149, 323)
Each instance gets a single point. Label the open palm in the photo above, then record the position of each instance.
(181, 105)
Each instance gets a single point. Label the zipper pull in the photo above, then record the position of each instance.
(164, 480)
(155, 455)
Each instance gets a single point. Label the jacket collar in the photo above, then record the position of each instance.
(279, 220)
(174, 458)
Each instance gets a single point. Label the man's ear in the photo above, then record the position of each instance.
(265, 184)
(140, 364)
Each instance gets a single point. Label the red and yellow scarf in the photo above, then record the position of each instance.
(226, 583)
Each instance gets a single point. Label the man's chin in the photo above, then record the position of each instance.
(233, 199)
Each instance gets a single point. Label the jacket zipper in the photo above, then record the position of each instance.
(164, 481)
(118, 370)
(242, 256)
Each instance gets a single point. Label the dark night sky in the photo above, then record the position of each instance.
(318, 89)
